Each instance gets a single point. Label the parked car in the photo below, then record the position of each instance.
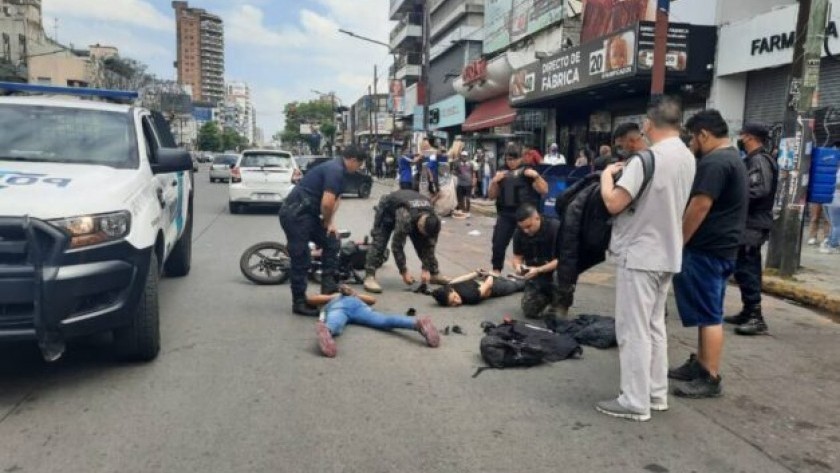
(195, 161)
(262, 177)
(359, 184)
(221, 166)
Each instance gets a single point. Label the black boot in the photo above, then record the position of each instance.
(746, 314)
(701, 387)
(328, 284)
(755, 326)
(300, 307)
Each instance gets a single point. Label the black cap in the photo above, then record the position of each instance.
(757, 130)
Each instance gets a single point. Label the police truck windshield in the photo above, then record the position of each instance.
(66, 135)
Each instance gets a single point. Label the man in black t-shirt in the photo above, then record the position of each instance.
(712, 227)
(534, 258)
(472, 288)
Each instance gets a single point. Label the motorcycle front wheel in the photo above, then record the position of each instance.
(266, 263)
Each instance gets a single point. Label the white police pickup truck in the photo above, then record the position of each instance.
(95, 204)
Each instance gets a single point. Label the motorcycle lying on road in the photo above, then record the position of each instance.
(268, 262)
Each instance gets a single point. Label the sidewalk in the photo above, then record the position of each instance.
(815, 285)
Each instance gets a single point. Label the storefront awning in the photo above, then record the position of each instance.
(494, 112)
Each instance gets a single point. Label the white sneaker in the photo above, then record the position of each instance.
(812, 241)
(658, 404)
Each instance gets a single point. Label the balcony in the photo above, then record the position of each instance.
(406, 30)
(398, 7)
(463, 33)
(408, 67)
(447, 17)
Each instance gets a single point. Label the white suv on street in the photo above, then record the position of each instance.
(262, 177)
(95, 204)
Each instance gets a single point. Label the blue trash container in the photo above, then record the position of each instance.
(557, 179)
(823, 176)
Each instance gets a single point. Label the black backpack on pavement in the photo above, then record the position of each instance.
(514, 343)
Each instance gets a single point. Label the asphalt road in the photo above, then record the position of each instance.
(240, 386)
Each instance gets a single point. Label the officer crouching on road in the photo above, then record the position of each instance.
(535, 260)
(763, 175)
(308, 215)
(406, 213)
(512, 187)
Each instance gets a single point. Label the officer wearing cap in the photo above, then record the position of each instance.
(308, 215)
(763, 175)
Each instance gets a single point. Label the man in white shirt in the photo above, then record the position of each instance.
(647, 246)
(553, 157)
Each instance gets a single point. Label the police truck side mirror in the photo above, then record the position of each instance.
(171, 160)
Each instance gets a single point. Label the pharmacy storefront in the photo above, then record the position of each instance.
(753, 72)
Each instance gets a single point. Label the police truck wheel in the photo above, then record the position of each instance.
(266, 263)
(364, 191)
(140, 339)
(180, 259)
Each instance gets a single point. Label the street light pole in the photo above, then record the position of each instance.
(393, 76)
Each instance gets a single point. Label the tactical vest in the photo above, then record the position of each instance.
(515, 190)
(760, 216)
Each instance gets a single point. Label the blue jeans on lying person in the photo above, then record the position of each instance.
(350, 309)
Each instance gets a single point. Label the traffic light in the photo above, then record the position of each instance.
(434, 116)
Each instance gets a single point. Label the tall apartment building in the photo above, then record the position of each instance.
(201, 52)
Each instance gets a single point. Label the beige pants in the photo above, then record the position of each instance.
(642, 341)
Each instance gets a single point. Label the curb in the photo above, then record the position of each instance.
(797, 292)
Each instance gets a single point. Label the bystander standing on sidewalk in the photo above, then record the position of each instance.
(554, 157)
(646, 245)
(763, 176)
(712, 227)
(832, 211)
(466, 179)
(817, 221)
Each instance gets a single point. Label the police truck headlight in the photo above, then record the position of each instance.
(90, 230)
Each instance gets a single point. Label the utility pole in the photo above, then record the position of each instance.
(370, 114)
(786, 239)
(376, 112)
(657, 83)
(424, 79)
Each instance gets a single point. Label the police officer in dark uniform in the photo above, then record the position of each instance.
(308, 215)
(763, 174)
(512, 187)
(535, 259)
(407, 214)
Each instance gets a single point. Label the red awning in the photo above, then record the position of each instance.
(494, 112)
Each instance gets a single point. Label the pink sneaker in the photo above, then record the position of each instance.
(429, 331)
(325, 340)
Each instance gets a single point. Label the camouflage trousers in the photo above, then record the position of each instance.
(377, 254)
(539, 295)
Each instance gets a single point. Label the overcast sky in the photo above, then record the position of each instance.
(282, 48)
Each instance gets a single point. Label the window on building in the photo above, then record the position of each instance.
(23, 51)
(7, 48)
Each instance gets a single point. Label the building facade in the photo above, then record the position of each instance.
(201, 56)
(752, 72)
(238, 110)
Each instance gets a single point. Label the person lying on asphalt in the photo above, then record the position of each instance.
(472, 288)
(347, 306)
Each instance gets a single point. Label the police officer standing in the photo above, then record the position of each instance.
(407, 214)
(763, 174)
(308, 215)
(512, 187)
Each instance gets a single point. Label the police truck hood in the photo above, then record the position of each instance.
(57, 190)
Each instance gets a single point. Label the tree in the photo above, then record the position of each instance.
(124, 74)
(231, 140)
(314, 112)
(209, 137)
